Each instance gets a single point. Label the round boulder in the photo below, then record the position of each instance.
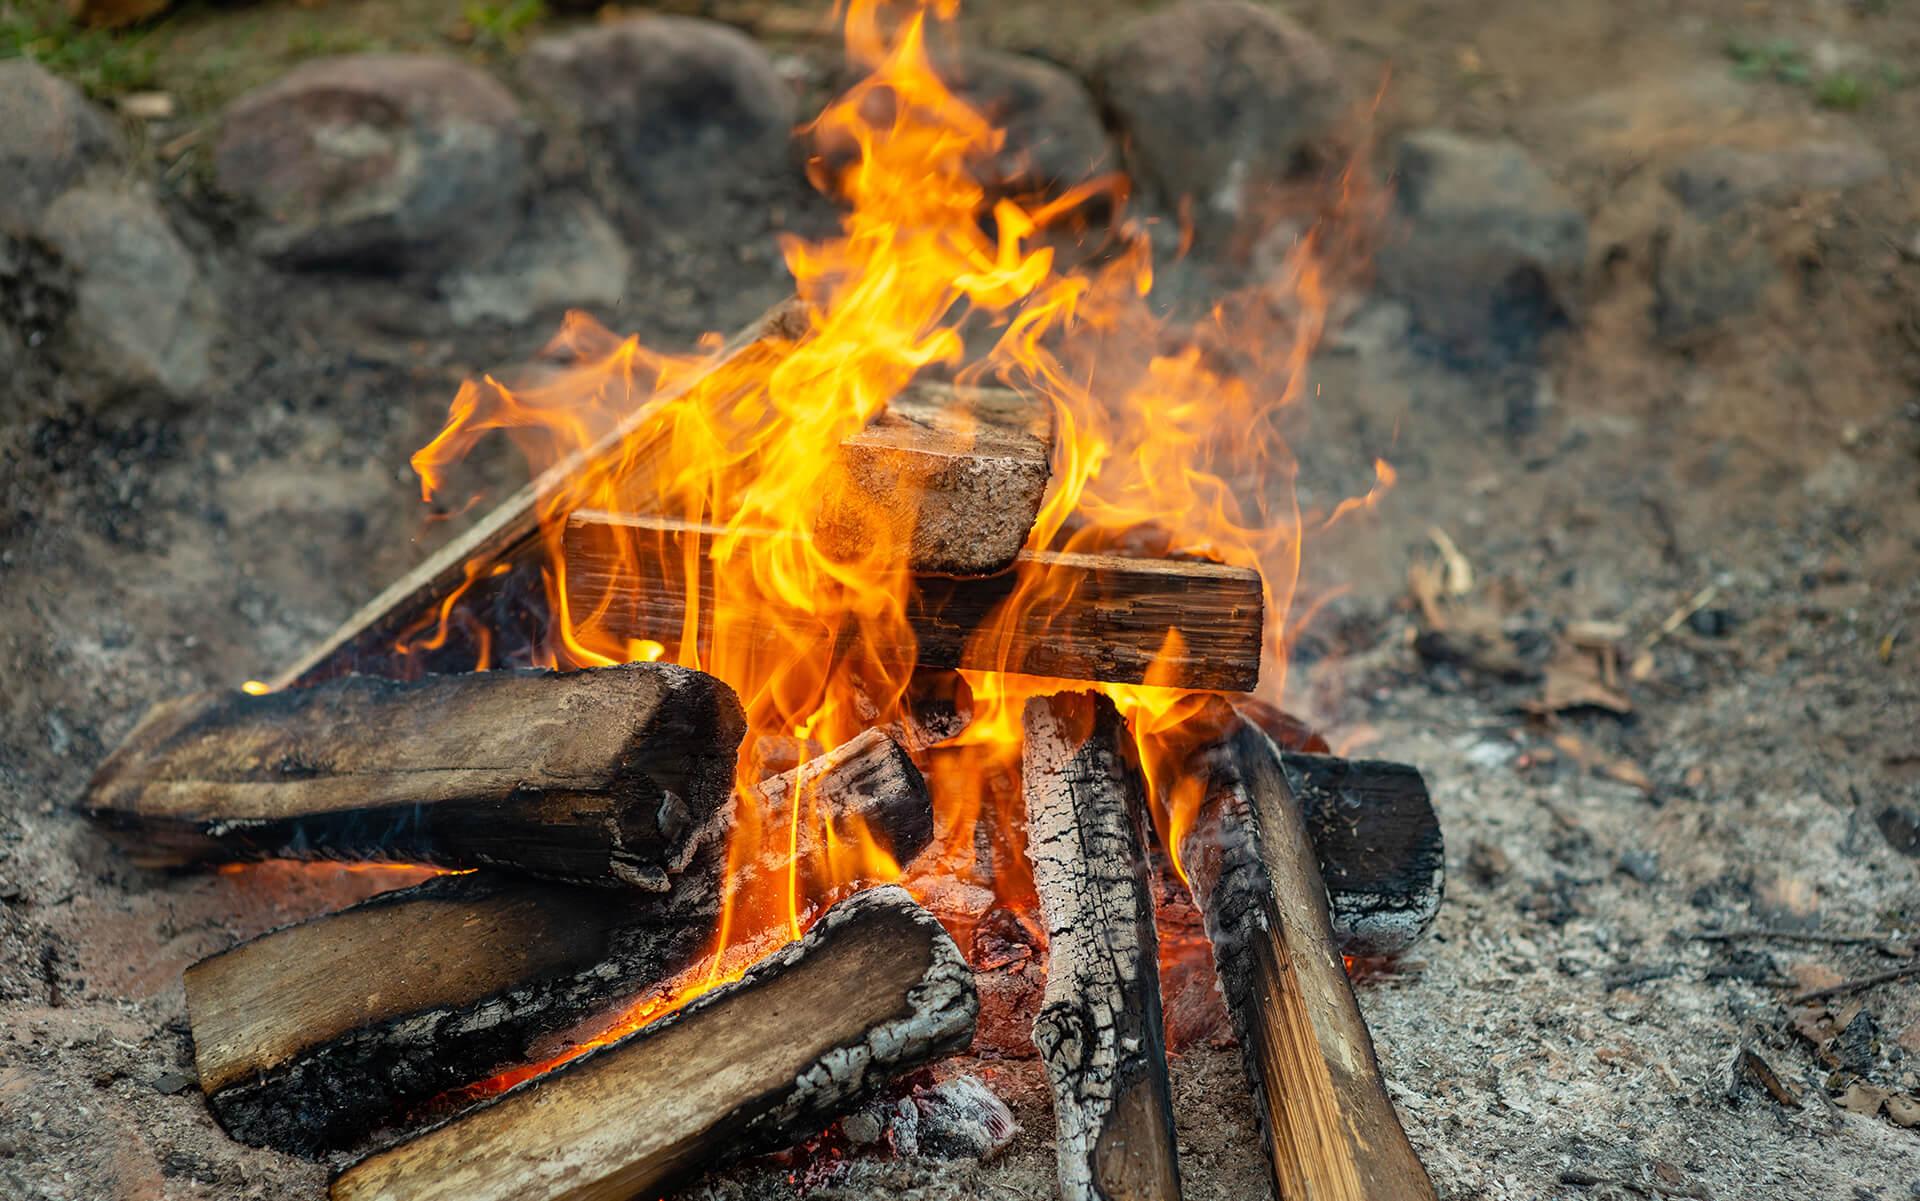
(1488, 251)
(375, 161)
(687, 113)
(1053, 135)
(141, 315)
(1217, 101)
(49, 136)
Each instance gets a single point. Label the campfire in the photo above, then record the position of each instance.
(941, 611)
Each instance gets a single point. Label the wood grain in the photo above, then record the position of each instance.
(1107, 618)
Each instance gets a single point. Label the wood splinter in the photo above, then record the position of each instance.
(310, 1037)
(589, 777)
(1099, 1027)
(1329, 1129)
(874, 989)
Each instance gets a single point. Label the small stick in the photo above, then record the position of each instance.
(1846, 987)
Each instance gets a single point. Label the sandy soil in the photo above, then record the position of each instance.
(1563, 1034)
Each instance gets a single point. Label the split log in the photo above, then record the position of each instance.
(1099, 1028)
(1377, 841)
(951, 476)
(1110, 623)
(874, 989)
(1329, 1129)
(594, 777)
(310, 1037)
(515, 522)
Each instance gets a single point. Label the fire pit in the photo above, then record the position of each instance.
(930, 611)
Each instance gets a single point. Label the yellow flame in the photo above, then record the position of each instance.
(1168, 442)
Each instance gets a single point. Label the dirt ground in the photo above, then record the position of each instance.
(1566, 1032)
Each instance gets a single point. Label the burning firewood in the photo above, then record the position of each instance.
(596, 777)
(1099, 1028)
(515, 522)
(309, 1037)
(1377, 841)
(875, 988)
(1113, 625)
(953, 476)
(1329, 1129)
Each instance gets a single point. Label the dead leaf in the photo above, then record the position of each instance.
(1812, 977)
(1458, 576)
(1863, 1098)
(1764, 1075)
(146, 106)
(1577, 679)
(1594, 759)
(1423, 582)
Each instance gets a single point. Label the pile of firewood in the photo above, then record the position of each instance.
(584, 818)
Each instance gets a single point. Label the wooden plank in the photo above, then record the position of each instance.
(1107, 618)
(874, 989)
(1099, 1028)
(512, 524)
(595, 777)
(308, 1038)
(1329, 1129)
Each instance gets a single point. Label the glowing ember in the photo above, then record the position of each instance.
(1166, 444)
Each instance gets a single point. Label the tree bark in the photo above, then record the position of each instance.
(874, 989)
(1329, 1129)
(591, 777)
(1099, 1026)
(1111, 622)
(310, 1037)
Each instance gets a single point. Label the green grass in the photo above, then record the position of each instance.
(1843, 90)
(1782, 62)
(504, 26)
(105, 63)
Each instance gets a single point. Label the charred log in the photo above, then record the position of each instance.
(1377, 841)
(1099, 1026)
(874, 989)
(1329, 1129)
(310, 1037)
(1111, 623)
(591, 777)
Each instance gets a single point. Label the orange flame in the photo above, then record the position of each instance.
(1168, 442)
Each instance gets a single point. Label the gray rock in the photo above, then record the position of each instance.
(49, 137)
(1489, 251)
(566, 255)
(1705, 273)
(1217, 101)
(1053, 136)
(141, 314)
(1722, 179)
(384, 162)
(688, 113)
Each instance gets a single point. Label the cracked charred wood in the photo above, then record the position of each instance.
(309, 1038)
(877, 987)
(1111, 623)
(1099, 1027)
(508, 528)
(1377, 841)
(1329, 1129)
(589, 777)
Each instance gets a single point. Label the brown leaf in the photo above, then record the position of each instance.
(1863, 1098)
(1594, 759)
